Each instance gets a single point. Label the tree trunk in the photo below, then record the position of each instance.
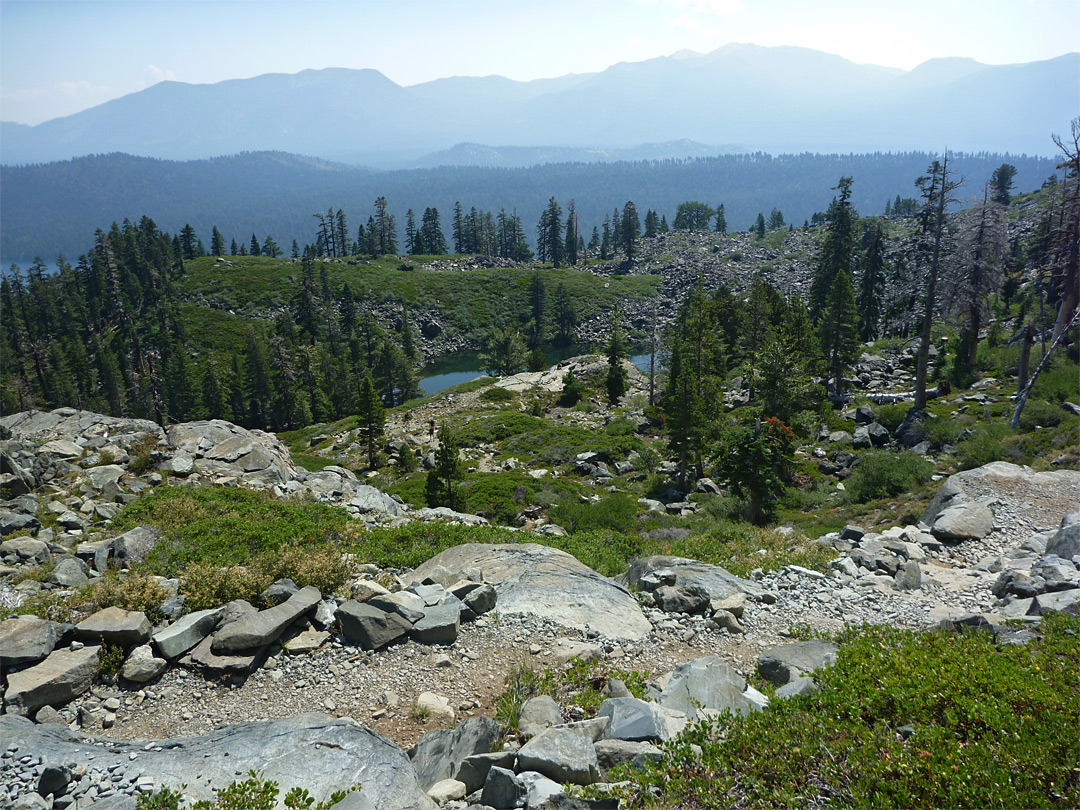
(1025, 359)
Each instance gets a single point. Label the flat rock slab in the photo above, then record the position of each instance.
(440, 754)
(257, 630)
(706, 683)
(719, 582)
(204, 657)
(534, 580)
(965, 521)
(788, 662)
(61, 677)
(312, 751)
(114, 625)
(26, 639)
(561, 754)
(187, 631)
(369, 627)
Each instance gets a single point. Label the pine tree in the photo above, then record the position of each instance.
(759, 226)
(440, 488)
(537, 310)
(217, 243)
(371, 419)
(630, 230)
(871, 284)
(721, 220)
(838, 248)
(570, 243)
(838, 329)
(615, 381)
(564, 316)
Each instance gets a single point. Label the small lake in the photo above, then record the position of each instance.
(458, 368)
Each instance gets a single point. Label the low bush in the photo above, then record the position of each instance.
(984, 446)
(883, 473)
(903, 719)
(1040, 413)
(891, 416)
(496, 394)
(615, 512)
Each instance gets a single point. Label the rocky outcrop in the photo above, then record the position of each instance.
(539, 581)
(316, 752)
(650, 573)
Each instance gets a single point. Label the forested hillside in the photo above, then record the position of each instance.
(146, 324)
(50, 209)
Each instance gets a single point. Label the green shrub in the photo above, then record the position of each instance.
(1040, 413)
(573, 391)
(616, 512)
(141, 454)
(986, 445)
(882, 474)
(1059, 382)
(110, 660)
(496, 394)
(500, 497)
(903, 719)
(891, 416)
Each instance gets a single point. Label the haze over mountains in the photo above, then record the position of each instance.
(737, 98)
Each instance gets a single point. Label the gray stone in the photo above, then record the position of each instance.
(306, 642)
(861, 440)
(369, 627)
(481, 599)
(438, 625)
(61, 677)
(799, 686)
(114, 625)
(1057, 601)
(537, 714)
(203, 657)
(263, 628)
(27, 549)
(1065, 542)
(407, 605)
(70, 572)
(562, 754)
(473, 770)
(908, 577)
(535, 580)
(278, 592)
(634, 719)
(26, 640)
(682, 598)
(187, 631)
(718, 582)
(54, 779)
(965, 521)
(708, 683)
(311, 751)
(142, 665)
(785, 663)
(541, 790)
(447, 790)
(503, 790)
(440, 754)
(132, 546)
(612, 753)
(369, 499)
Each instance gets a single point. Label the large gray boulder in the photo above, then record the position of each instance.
(788, 662)
(257, 630)
(312, 751)
(26, 639)
(964, 521)
(369, 627)
(114, 625)
(142, 665)
(187, 631)
(538, 714)
(369, 499)
(439, 754)
(708, 683)
(134, 545)
(61, 677)
(439, 624)
(635, 720)
(719, 583)
(535, 580)
(223, 448)
(70, 572)
(1065, 542)
(562, 754)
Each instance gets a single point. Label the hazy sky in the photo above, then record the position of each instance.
(61, 56)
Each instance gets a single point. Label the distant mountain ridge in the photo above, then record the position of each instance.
(779, 99)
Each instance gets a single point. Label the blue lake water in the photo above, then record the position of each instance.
(461, 367)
